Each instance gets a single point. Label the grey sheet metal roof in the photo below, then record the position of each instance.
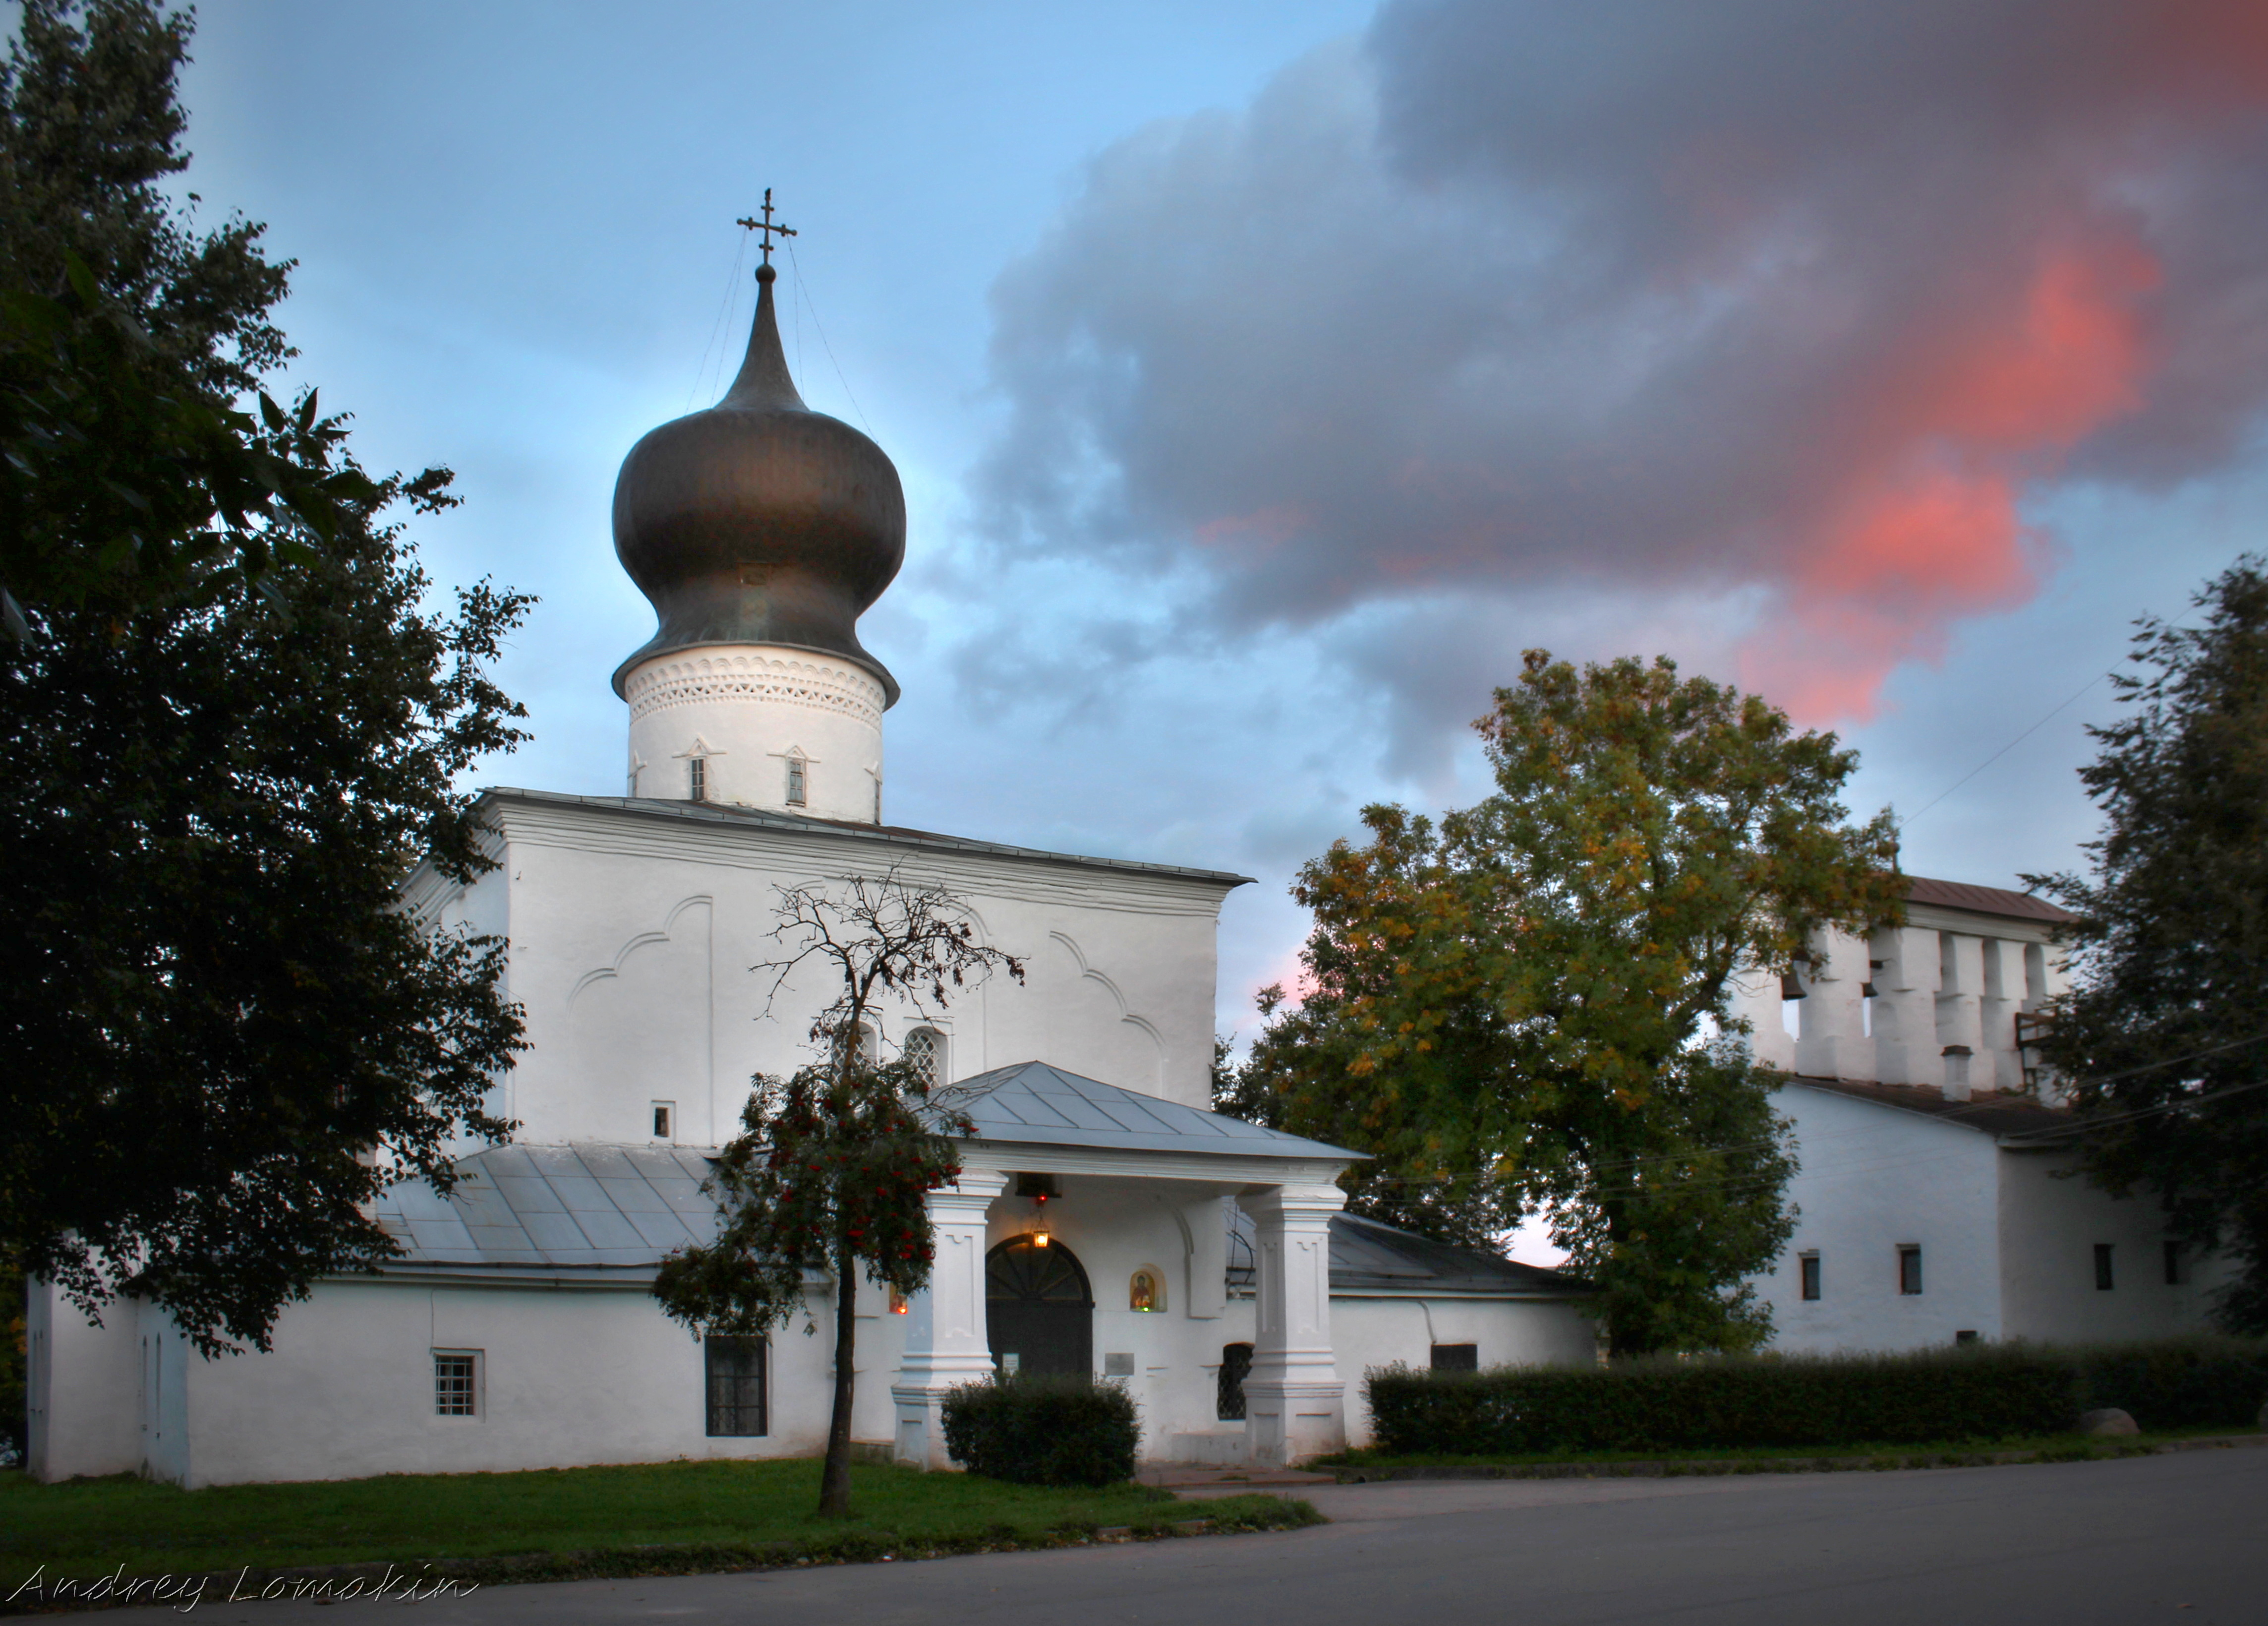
(1032, 1103)
(892, 835)
(576, 1207)
(1371, 1260)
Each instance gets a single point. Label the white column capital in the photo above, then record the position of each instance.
(1293, 1203)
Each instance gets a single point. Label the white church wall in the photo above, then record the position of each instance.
(565, 1378)
(1873, 1180)
(633, 940)
(84, 1387)
(2051, 1220)
(1370, 1332)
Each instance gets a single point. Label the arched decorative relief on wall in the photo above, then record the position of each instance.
(1155, 1049)
(642, 1029)
(644, 940)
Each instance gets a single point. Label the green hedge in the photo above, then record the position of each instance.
(1665, 1404)
(1043, 1430)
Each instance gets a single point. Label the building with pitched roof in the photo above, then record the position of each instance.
(1939, 1194)
(1104, 1221)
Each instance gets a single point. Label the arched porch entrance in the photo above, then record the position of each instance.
(1039, 1307)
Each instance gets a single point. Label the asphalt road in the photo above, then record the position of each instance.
(2182, 1539)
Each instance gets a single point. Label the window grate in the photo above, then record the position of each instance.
(1809, 1266)
(921, 1052)
(455, 1391)
(1235, 1362)
(1909, 1271)
(735, 1367)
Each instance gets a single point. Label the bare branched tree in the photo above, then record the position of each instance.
(832, 1166)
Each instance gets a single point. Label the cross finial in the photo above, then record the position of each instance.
(766, 226)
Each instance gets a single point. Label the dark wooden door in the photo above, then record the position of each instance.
(1039, 1307)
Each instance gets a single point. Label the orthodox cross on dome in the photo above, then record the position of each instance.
(766, 226)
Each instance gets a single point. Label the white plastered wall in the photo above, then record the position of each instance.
(633, 939)
(1370, 1332)
(1873, 1179)
(744, 710)
(2052, 1218)
(1947, 977)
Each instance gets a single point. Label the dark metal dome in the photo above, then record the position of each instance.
(760, 520)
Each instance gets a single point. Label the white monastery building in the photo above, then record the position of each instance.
(1105, 1221)
(1939, 1198)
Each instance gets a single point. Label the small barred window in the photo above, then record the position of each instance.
(456, 1383)
(735, 1371)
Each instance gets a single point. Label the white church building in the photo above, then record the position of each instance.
(1105, 1221)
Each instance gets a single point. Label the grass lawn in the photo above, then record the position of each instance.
(91, 1526)
(2074, 1446)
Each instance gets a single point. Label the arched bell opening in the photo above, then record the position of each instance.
(1039, 1307)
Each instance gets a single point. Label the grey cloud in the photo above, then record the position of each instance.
(1764, 302)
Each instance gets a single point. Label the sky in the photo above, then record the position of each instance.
(1265, 378)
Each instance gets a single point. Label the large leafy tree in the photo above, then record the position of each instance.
(220, 1034)
(831, 1167)
(126, 338)
(1515, 1005)
(2166, 1029)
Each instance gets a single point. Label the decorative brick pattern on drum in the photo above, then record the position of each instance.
(841, 689)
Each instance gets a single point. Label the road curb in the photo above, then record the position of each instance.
(1670, 1467)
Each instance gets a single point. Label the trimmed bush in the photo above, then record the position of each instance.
(1043, 1430)
(2181, 1382)
(1808, 1402)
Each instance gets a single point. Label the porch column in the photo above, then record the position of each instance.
(1294, 1404)
(947, 1343)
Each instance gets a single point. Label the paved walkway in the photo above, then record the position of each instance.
(2179, 1538)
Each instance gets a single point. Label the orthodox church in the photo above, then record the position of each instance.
(1104, 1221)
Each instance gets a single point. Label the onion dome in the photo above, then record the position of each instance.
(760, 520)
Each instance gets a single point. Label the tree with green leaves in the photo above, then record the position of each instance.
(1515, 1006)
(125, 469)
(2165, 1032)
(232, 729)
(832, 1167)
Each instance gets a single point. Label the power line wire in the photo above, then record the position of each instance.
(803, 292)
(2004, 750)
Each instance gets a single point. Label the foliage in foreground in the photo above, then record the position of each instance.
(1036, 1430)
(2164, 1028)
(220, 1035)
(832, 1169)
(1992, 1393)
(451, 1521)
(1507, 1008)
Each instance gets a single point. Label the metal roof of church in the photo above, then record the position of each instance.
(574, 1206)
(613, 1212)
(1032, 1103)
(893, 835)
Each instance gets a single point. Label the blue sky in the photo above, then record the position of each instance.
(1264, 379)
